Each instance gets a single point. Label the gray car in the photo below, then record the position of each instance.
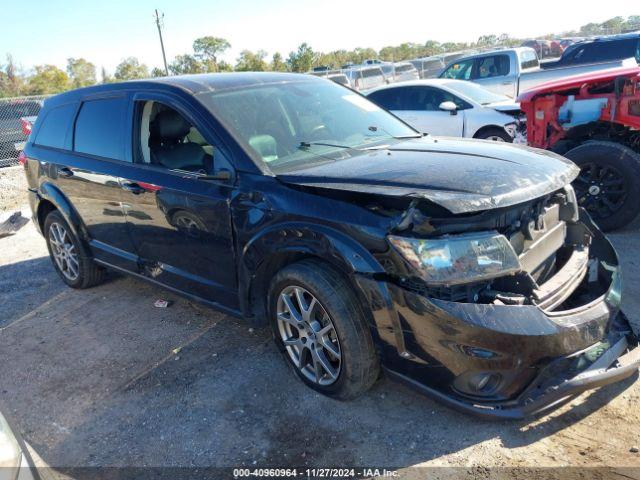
(365, 77)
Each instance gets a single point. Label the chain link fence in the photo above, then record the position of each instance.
(17, 115)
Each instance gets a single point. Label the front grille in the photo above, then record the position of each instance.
(454, 293)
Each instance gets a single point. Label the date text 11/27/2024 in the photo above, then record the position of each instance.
(314, 473)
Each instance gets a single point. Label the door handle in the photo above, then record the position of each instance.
(65, 172)
(133, 188)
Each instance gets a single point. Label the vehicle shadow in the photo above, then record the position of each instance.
(27, 285)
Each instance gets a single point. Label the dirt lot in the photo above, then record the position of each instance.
(103, 378)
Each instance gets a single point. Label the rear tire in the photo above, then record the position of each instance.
(70, 258)
(351, 353)
(608, 186)
(495, 134)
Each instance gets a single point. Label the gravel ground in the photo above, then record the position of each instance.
(101, 377)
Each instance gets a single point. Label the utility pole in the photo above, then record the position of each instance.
(159, 17)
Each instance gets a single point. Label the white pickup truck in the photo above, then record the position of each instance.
(510, 71)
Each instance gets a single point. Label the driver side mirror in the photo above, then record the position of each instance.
(449, 107)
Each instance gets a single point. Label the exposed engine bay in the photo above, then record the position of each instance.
(559, 269)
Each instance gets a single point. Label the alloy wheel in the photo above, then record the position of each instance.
(64, 251)
(495, 138)
(309, 336)
(600, 189)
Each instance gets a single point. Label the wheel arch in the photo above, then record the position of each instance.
(51, 198)
(487, 128)
(274, 249)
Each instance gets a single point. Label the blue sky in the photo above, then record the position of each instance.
(38, 31)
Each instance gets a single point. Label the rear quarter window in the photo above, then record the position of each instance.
(528, 59)
(100, 128)
(55, 125)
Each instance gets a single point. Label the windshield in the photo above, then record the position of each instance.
(476, 92)
(293, 125)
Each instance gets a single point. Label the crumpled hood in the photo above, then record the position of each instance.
(460, 175)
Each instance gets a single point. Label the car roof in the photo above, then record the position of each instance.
(193, 84)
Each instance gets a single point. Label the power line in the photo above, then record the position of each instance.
(159, 17)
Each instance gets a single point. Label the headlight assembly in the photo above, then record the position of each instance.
(458, 259)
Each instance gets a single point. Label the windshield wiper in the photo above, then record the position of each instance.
(322, 144)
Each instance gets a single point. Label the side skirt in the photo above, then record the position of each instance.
(195, 298)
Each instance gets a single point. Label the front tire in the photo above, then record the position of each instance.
(70, 258)
(608, 186)
(319, 327)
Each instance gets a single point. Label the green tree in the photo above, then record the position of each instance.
(431, 47)
(277, 63)
(249, 61)
(223, 66)
(183, 64)
(487, 41)
(207, 50)
(47, 79)
(590, 29)
(157, 72)
(359, 55)
(11, 81)
(81, 72)
(302, 59)
(632, 23)
(613, 25)
(130, 69)
(104, 76)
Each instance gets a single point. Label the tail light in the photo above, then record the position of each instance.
(27, 126)
(22, 159)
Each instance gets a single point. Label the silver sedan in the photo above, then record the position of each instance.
(451, 108)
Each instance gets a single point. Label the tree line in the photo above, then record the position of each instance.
(206, 53)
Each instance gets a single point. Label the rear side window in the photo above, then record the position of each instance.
(493, 66)
(100, 128)
(528, 59)
(55, 125)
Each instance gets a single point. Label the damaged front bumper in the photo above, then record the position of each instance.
(511, 361)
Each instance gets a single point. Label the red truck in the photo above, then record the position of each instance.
(594, 120)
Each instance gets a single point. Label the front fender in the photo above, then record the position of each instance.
(303, 240)
(327, 243)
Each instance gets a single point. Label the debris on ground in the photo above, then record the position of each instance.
(160, 303)
(10, 225)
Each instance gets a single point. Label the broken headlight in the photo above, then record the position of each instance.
(458, 259)
(511, 129)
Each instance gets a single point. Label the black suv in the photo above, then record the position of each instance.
(603, 49)
(464, 268)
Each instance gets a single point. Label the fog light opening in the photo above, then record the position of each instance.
(484, 383)
(478, 383)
